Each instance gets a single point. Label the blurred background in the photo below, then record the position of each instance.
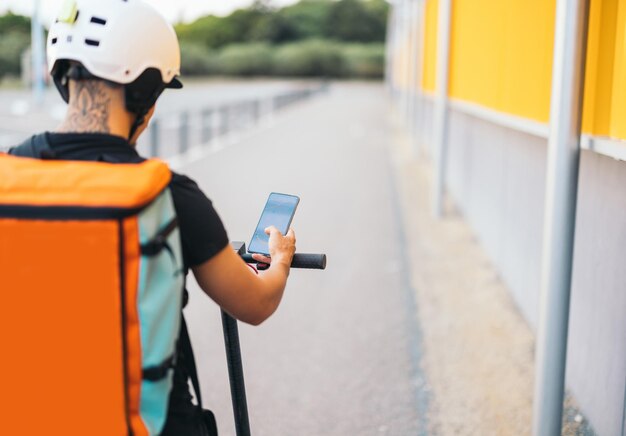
(423, 138)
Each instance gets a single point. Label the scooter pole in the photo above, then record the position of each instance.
(233, 348)
(235, 373)
(235, 365)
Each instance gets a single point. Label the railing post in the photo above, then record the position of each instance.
(256, 111)
(224, 120)
(154, 137)
(183, 132)
(206, 128)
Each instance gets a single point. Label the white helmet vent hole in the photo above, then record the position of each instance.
(100, 21)
(54, 40)
(69, 38)
(92, 42)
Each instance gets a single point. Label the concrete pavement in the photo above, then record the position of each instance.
(341, 356)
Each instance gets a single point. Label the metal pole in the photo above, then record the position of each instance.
(154, 137)
(392, 48)
(183, 133)
(560, 215)
(419, 77)
(235, 373)
(410, 63)
(38, 55)
(389, 48)
(224, 120)
(406, 49)
(441, 104)
(207, 128)
(416, 26)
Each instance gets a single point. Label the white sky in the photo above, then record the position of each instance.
(174, 10)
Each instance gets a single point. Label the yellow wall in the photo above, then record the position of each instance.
(599, 68)
(617, 115)
(501, 55)
(501, 58)
(429, 72)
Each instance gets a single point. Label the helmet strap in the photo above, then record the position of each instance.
(139, 120)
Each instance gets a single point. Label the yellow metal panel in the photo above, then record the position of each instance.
(501, 55)
(430, 46)
(618, 106)
(599, 67)
(475, 54)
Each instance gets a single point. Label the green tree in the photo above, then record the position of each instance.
(353, 20)
(11, 49)
(14, 23)
(15, 36)
(307, 18)
(274, 29)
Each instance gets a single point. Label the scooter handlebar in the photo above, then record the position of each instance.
(300, 260)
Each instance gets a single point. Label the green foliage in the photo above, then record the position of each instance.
(15, 36)
(246, 60)
(198, 60)
(310, 58)
(352, 20)
(307, 18)
(10, 23)
(343, 20)
(13, 45)
(365, 60)
(309, 38)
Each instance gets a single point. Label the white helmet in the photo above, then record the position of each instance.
(123, 41)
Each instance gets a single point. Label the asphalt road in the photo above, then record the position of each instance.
(341, 356)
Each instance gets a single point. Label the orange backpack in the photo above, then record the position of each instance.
(92, 282)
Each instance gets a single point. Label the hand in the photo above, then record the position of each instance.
(282, 248)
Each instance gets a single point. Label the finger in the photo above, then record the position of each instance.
(261, 258)
(291, 234)
(270, 229)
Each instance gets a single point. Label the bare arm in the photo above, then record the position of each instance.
(235, 288)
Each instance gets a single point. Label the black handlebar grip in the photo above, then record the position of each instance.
(309, 261)
(300, 260)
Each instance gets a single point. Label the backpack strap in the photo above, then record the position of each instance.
(36, 146)
(190, 360)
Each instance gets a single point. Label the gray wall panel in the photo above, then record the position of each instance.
(597, 336)
(424, 118)
(497, 177)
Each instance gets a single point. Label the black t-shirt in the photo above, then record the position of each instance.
(201, 230)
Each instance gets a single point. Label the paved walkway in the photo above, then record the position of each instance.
(341, 355)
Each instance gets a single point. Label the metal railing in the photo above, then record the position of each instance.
(176, 133)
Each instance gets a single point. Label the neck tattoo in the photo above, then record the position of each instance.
(89, 108)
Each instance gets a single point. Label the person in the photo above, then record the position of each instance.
(111, 61)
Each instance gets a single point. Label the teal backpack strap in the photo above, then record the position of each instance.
(192, 371)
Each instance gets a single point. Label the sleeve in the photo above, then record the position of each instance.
(202, 233)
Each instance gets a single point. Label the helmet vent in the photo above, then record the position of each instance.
(100, 21)
(54, 40)
(92, 42)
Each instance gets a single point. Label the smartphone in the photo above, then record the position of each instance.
(278, 212)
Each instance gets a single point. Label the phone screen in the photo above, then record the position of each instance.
(278, 212)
